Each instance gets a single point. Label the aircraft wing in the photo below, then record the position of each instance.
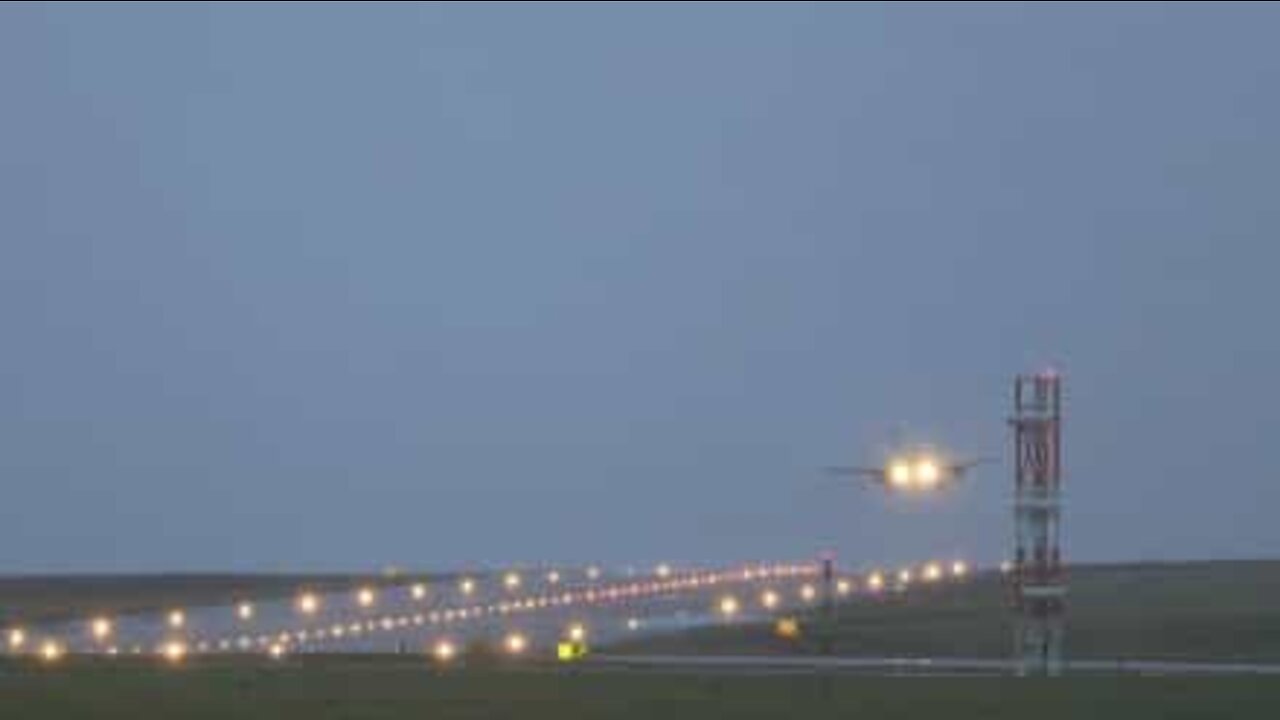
(958, 469)
(864, 473)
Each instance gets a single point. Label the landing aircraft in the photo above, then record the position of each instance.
(912, 469)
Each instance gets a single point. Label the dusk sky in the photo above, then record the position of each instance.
(336, 287)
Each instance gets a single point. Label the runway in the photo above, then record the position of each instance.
(541, 608)
(783, 665)
(529, 612)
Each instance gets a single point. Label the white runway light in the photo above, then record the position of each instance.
(308, 604)
(51, 651)
(516, 643)
(729, 606)
(444, 651)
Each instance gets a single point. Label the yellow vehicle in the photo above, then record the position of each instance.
(787, 628)
(571, 650)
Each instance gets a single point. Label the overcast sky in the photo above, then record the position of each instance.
(328, 287)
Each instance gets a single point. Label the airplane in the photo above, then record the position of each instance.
(913, 469)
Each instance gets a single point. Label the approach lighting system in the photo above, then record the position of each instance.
(444, 651)
(516, 644)
(174, 651)
(728, 606)
(51, 651)
(308, 604)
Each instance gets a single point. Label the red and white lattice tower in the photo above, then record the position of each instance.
(1038, 583)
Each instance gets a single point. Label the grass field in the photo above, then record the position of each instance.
(321, 689)
(28, 600)
(1182, 611)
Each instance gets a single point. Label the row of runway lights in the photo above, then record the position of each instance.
(308, 604)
